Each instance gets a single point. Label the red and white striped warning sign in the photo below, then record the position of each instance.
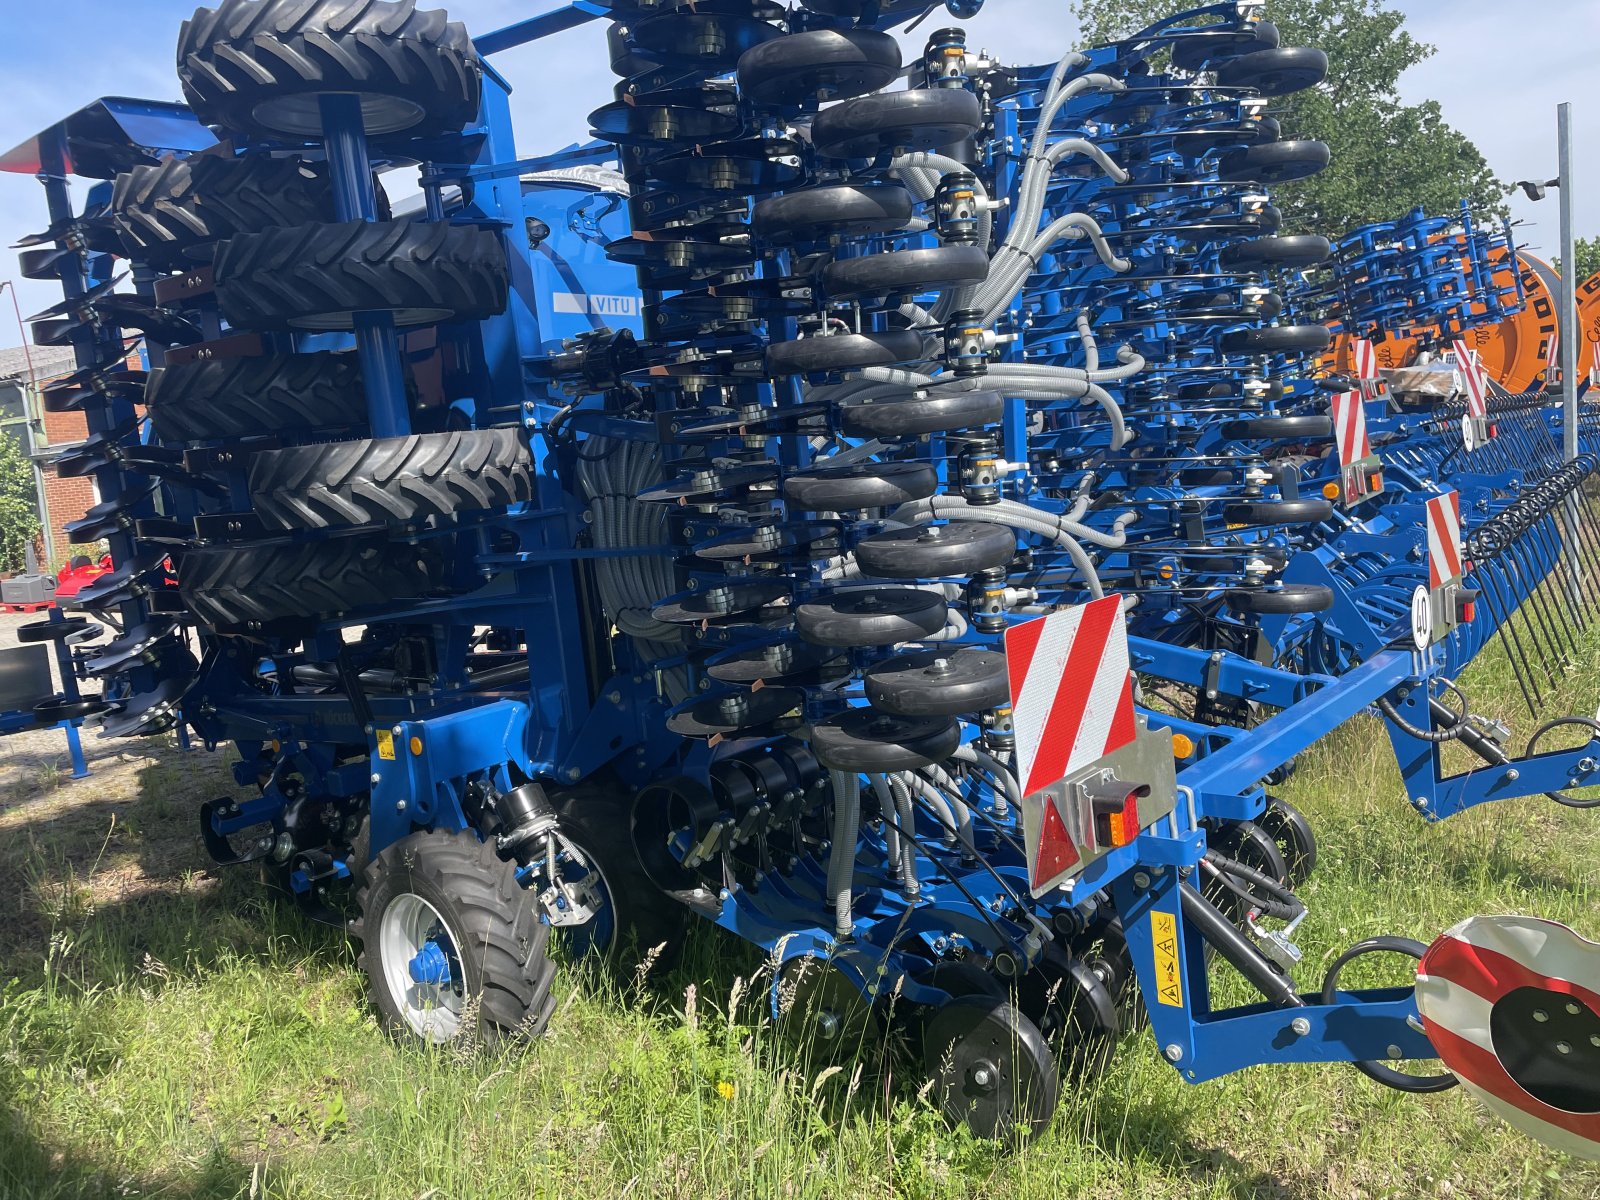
(1510, 1004)
(1071, 691)
(1476, 379)
(1444, 540)
(1553, 363)
(1366, 358)
(1594, 364)
(1350, 428)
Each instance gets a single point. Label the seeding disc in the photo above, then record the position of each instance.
(939, 683)
(734, 711)
(724, 600)
(781, 661)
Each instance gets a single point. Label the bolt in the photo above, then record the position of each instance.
(376, 778)
(614, 696)
(1513, 775)
(366, 728)
(397, 730)
(1141, 879)
(982, 1076)
(1563, 1048)
(1540, 1015)
(1174, 1052)
(399, 806)
(1396, 1052)
(1573, 1010)
(1301, 1026)
(574, 774)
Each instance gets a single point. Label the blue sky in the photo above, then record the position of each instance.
(1500, 71)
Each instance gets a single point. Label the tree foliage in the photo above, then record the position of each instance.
(1388, 157)
(19, 503)
(1586, 252)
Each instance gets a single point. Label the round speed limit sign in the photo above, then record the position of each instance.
(1421, 618)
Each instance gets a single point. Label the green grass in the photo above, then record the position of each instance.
(165, 1032)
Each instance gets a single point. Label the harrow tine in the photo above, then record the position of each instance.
(1510, 640)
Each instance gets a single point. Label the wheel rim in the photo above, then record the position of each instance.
(422, 967)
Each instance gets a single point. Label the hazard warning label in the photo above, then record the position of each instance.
(1169, 984)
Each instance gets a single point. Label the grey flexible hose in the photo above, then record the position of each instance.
(842, 854)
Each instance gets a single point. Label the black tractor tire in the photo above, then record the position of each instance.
(492, 919)
(391, 479)
(237, 587)
(320, 276)
(244, 397)
(261, 66)
(650, 928)
(157, 212)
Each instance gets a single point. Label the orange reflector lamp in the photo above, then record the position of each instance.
(416, 746)
(1182, 745)
(1166, 571)
(1330, 491)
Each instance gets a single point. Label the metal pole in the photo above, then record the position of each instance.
(1567, 325)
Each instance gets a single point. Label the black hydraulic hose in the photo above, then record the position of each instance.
(1237, 949)
(1278, 902)
(1454, 729)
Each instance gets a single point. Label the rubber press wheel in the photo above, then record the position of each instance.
(1297, 250)
(992, 1068)
(447, 931)
(863, 739)
(1275, 162)
(919, 412)
(391, 479)
(320, 276)
(906, 272)
(238, 586)
(918, 119)
(834, 64)
(1277, 339)
(844, 352)
(262, 66)
(1277, 512)
(934, 551)
(880, 616)
(845, 210)
(1194, 52)
(242, 397)
(1280, 71)
(939, 683)
(860, 485)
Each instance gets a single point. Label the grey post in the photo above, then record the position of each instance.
(1567, 323)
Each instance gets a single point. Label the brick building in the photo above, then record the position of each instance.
(44, 436)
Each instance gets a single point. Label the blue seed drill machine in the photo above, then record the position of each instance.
(887, 506)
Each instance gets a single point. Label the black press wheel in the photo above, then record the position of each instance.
(263, 66)
(1297, 842)
(833, 63)
(638, 925)
(991, 1068)
(1277, 339)
(1280, 71)
(1296, 250)
(919, 119)
(243, 397)
(1267, 429)
(1272, 163)
(444, 922)
(1277, 512)
(1288, 599)
(320, 276)
(391, 479)
(848, 210)
(240, 587)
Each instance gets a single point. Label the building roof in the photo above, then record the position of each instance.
(49, 362)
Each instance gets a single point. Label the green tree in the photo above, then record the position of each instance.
(1388, 157)
(19, 503)
(1586, 252)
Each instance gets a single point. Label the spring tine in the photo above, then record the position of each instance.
(1532, 616)
(1547, 533)
(1485, 573)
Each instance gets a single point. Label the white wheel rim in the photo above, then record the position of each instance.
(408, 924)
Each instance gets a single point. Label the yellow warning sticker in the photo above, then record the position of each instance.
(386, 744)
(1169, 984)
